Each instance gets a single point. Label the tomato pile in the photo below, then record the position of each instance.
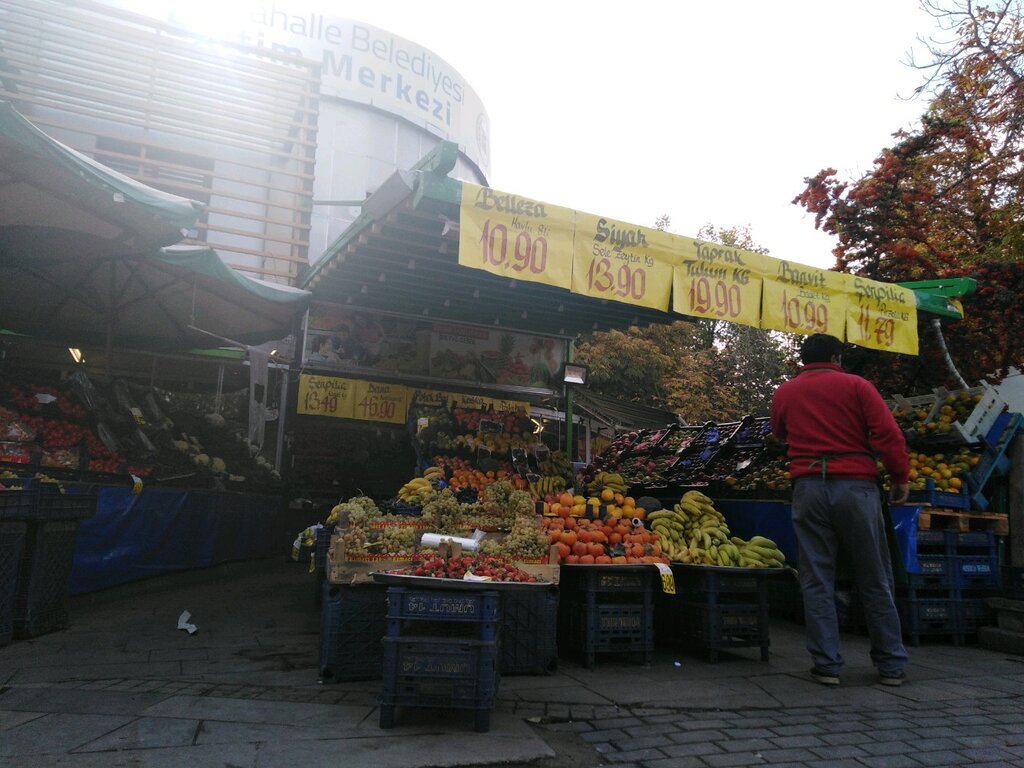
(433, 565)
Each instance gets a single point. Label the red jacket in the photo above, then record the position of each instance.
(831, 417)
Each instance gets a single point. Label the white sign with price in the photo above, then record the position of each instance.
(668, 580)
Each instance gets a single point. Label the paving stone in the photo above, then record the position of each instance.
(733, 759)
(675, 762)
(886, 747)
(838, 751)
(851, 737)
(642, 742)
(57, 734)
(608, 735)
(615, 722)
(745, 745)
(786, 755)
(788, 742)
(697, 748)
(986, 754)
(979, 742)
(145, 733)
(803, 729)
(939, 757)
(692, 737)
(890, 761)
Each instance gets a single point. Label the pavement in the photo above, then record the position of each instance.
(123, 686)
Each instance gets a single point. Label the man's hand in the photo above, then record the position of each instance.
(899, 493)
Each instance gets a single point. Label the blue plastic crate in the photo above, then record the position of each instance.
(936, 572)
(620, 580)
(443, 605)
(352, 623)
(439, 673)
(973, 572)
(619, 628)
(936, 498)
(716, 627)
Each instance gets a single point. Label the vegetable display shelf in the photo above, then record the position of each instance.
(994, 460)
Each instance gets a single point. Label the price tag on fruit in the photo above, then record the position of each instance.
(882, 316)
(802, 299)
(622, 262)
(325, 396)
(668, 580)
(515, 236)
(380, 402)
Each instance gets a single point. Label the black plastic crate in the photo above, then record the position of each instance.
(66, 501)
(321, 546)
(44, 578)
(621, 582)
(726, 625)
(19, 499)
(619, 628)
(736, 582)
(785, 600)
(529, 617)
(752, 432)
(974, 572)
(439, 673)
(352, 624)
(12, 542)
(935, 542)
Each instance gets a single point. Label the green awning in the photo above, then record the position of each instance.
(54, 198)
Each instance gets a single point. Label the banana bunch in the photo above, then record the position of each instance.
(557, 464)
(433, 473)
(418, 491)
(693, 531)
(546, 484)
(604, 480)
(759, 552)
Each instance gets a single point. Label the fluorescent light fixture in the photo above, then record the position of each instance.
(573, 373)
(76, 354)
(537, 426)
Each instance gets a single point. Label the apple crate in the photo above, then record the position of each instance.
(910, 405)
(981, 419)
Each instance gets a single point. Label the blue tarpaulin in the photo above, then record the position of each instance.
(161, 530)
(774, 520)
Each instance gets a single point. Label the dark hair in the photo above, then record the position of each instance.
(820, 348)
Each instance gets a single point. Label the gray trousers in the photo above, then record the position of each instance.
(829, 516)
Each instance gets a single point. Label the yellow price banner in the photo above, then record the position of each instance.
(882, 316)
(515, 237)
(380, 402)
(718, 282)
(622, 262)
(325, 396)
(802, 299)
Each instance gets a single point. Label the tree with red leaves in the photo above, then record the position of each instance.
(947, 199)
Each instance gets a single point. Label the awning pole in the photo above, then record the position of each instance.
(937, 325)
(570, 446)
(281, 410)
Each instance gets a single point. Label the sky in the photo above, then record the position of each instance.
(708, 112)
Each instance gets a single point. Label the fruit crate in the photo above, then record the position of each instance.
(12, 542)
(974, 572)
(936, 498)
(984, 414)
(44, 578)
(620, 582)
(66, 501)
(716, 627)
(975, 612)
(439, 673)
(945, 541)
(935, 572)
(993, 459)
(625, 629)
(528, 641)
(753, 432)
(19, 498)
(683, 436)
(320, 548)
(925, 406)
(443, 612)
(708, 583)
(930, 616)
(651, 439)
(352, 623)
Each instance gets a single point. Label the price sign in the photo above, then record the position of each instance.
(515, 237)
(718, 282)
(380, 402)
(325, 396)
(668, 579)
(802, 299)
(622, 262)
(882, 316)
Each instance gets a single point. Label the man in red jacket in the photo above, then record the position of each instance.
(835, 425)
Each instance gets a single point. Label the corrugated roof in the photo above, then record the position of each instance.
(620, 414)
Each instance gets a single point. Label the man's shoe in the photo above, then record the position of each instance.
(824, 677)
(893, 679)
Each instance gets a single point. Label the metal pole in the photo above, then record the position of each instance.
(570, 447)
(281, 409)
(937, 325)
